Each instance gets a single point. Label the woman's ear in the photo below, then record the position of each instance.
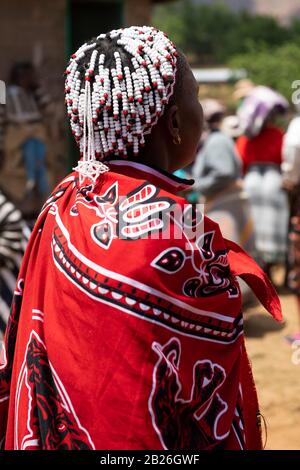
(173, 124)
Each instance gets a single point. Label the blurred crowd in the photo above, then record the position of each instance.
(247, 173)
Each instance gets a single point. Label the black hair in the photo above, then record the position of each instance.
(134, 114)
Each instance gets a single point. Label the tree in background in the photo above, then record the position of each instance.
(215, 35)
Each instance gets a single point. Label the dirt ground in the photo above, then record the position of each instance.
(276, 368)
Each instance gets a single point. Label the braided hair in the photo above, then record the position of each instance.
(117, 86)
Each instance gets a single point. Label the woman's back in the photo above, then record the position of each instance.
(264, 148)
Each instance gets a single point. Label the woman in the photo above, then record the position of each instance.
(260, 149)
(23, 137)
(128, 319)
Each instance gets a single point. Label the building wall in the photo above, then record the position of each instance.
(37, 31)
(137, 12)
(33, 30)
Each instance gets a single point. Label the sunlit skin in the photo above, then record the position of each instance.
(182, 121)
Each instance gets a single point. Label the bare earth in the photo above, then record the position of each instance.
(276, 376)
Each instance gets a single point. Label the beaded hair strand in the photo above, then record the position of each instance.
(117, 87)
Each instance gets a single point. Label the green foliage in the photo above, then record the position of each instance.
(275, 67)
(213, 34)
(269, 51)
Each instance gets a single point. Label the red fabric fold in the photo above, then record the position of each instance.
(243, 266)
(121, 340)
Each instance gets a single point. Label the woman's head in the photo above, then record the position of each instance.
(213, 112)
(122, 85)
(23, 74)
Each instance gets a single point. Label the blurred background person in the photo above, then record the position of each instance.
(23, 141)
(260, 148)
(217, 173)
(242, 89)
(231, 126)
(291, 182)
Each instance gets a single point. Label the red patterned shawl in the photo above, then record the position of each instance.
(121, 341)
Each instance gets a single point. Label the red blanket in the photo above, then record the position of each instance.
(126, 331)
